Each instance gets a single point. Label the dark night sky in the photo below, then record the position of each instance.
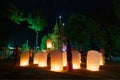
(51, 9)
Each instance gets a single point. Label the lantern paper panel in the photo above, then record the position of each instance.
(43, 59)
(76, 59)
(24, 59)
(49, 43)
(56, 61)
(64, 54)
(93, 60)
(36, 58)
(101, 59)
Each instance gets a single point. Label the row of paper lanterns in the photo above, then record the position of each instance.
(59, 60)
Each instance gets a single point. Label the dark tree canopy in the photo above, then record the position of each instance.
(84, 31)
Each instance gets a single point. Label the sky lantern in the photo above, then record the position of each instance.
(93, 60)
(76, 57)
(49, 43)
(36, 58)
(64, 54)
(24, 59)
(43, 59)
(101, 59)
(56, 61)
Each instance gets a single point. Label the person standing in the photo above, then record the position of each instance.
(31, 54)
(17, 53)
(69, 56)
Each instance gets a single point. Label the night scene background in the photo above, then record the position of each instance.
(105, 13)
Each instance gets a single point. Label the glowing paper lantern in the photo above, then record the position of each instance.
(43, 59)
(64, 54)
(49, 43)
(56, 61)
(24, 59)
(36, 58)
(101, 59)
(93, 60)
(76, 57)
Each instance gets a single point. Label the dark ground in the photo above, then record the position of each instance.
(8, 70)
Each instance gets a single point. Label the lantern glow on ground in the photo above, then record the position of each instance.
(64, 54)
(24, 59)
(93, 60)
(76, 59)
(36, 58)
(43, 59)
(56, 61)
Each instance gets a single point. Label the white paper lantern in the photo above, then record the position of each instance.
(36, 58)
(56, 61)
(49, 43)
(43, 59)
(101, 59)
(64, 54)
(76, 57)
(93, 60)
(24, 59)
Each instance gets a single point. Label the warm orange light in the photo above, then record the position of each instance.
(93, 60)
(64, 54)
(49, 43)
(36, 58)
(101, 59)
(24, 59)
(43, 59)
(76, 57)
(56, 61)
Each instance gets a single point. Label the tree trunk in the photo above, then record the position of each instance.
(36, 39)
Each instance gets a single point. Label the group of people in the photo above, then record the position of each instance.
(17, 53)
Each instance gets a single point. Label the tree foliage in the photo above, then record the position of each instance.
(16, 15)
(84, 31)
(43, 43)
(117, 8)
(36, 21)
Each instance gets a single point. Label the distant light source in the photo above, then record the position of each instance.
(49, 43)
(60, 17)
(63, 24)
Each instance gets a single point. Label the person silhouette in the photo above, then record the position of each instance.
(69, 56)
(17, 53)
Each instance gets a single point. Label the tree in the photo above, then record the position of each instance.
(113, 40)
(57, 35)
(117, 8)
(16, 15)
(83, 31)
(43, 43)
(36, 23)
(25, 47)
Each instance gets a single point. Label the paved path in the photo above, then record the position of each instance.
(10, 71)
